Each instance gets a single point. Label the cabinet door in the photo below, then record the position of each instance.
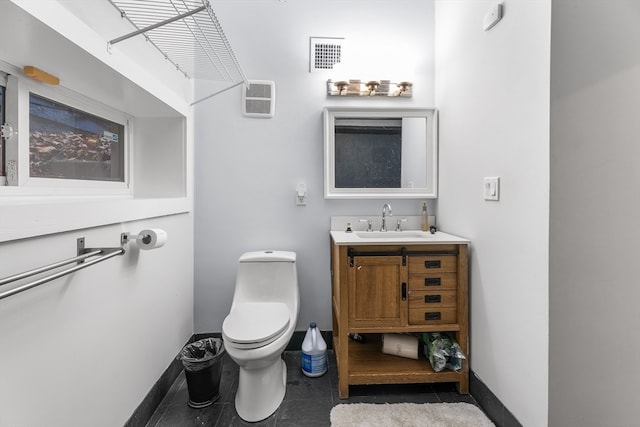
(378, 292)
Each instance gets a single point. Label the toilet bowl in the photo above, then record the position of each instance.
(260, 323)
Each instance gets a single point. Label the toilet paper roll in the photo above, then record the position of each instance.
(400, 345)
(151, 238)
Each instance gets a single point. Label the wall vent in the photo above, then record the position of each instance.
(324, 53)
(259, 99)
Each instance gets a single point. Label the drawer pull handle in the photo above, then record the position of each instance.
(432, 264)
(432, 281)
(432, 315)
(404, 291)
(431, 299)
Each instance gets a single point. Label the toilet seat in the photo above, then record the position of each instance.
(255, 324)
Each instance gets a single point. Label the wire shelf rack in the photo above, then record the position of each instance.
(187, 33)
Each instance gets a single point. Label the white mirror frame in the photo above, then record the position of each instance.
(430, 191)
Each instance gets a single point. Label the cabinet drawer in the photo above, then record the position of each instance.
(433, 282)
(432, 316)
(432, 300)
(432, 264)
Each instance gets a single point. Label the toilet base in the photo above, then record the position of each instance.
(261, 391)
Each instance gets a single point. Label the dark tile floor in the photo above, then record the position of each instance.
(308, 401)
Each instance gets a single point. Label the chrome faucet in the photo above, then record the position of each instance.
(386, 209)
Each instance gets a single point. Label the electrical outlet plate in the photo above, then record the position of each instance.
(491, 189)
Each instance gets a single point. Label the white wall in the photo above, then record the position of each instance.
(85, 349)
(594, 344)
(247, 169)
(492, 90)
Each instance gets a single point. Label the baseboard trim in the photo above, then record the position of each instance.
(151, 401)
(490, 404)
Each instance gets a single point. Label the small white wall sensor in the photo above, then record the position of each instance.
(301, 194)
(492, 17)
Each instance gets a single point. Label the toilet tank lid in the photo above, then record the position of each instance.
(268, 256)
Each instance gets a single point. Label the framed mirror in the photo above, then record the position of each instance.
(380, 153)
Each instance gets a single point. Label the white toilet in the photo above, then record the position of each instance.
(258, 328)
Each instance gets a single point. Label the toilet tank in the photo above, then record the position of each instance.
(267, 276)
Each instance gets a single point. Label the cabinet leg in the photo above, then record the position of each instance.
(463, 385)
(343, 380)
(343, 389)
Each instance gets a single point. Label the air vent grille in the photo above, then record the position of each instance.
(258, 100)
(324, 53)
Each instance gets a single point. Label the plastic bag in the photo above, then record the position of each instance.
(443, 351)
(201, 354)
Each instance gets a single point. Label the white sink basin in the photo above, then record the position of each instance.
(395, 235)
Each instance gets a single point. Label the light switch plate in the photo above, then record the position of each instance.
(491, 189)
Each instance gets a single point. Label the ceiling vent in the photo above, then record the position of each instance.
(259, 99)
(324, 53)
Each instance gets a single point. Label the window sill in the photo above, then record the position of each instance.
(25, 217)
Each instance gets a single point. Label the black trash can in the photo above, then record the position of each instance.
(202, 362)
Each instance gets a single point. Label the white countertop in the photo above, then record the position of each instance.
(406, 237)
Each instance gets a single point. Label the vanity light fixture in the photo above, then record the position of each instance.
(342, 86)
(404, 87)
(370, 88)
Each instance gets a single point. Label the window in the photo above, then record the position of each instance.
(70, 144)
(65, 142)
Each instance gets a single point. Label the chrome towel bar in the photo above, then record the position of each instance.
(82, 261)
(35, 271)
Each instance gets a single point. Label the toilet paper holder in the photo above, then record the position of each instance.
(126, 237)
(149, 238)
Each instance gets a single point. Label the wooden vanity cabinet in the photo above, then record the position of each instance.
(380, 289)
